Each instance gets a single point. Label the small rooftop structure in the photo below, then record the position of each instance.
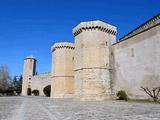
(30, 57)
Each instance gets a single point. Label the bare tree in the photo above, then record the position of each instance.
(153, 93)
(4, 77)
(151, 86)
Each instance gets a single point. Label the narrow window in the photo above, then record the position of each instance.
(132, 52)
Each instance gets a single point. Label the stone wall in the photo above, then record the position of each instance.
(38, 82)
(137, 60)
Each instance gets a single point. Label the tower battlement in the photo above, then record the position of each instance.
(94, 25)
(62, 45)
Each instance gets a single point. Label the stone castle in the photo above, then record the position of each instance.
(95, 66)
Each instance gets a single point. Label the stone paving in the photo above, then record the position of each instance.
(43, 108)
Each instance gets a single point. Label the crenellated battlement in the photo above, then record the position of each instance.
(94, 25)
(62, 45)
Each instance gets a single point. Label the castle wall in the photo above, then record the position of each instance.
(95, 67)
(62, 70)
(92, 62)
(40, 81)
(137, 63)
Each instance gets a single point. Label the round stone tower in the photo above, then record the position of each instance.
(93, 60)
(28, 71)
(62, 70)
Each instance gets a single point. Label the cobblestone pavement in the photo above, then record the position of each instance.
(43, 108)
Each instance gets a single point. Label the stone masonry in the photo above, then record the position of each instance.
(95, 67)
(62, 70)
(93, 42)
(28, 72)
(31, 79)
(40, 81)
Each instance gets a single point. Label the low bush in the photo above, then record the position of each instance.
(47, 90)
(122, 95)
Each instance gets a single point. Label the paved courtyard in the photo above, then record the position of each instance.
(43, 108)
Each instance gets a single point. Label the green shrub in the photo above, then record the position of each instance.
(29, 91)
(35, 92)
(47, 90)
(122, 95)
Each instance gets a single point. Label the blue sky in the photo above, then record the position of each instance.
(32, 26)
